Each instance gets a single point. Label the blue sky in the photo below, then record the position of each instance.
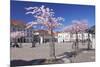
(68, 11)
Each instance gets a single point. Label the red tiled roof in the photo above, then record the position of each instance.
(42, 32)
(45, 32)
(18, 23)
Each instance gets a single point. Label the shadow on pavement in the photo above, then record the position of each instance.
(86, 49)
(73, 55)
(68, 54)
(15, 63)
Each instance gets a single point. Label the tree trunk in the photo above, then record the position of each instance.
(52, 48)
(89, 41)
(82, 39)
(76, 44)
(76, 40)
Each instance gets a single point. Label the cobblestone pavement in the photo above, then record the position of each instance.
(42, 51)
(84, 56)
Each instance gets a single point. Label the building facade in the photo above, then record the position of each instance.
(66, 36)
(18, 27)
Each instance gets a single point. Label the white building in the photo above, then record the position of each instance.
(66, 36)
(62, 37)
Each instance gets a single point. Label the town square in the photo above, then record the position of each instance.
(50, 33)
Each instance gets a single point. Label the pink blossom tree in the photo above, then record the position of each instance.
(76, 27)
(45, 17)
(79, 26)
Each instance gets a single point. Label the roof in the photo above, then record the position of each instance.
(18, 23)
(42, 32)
(45, 32)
